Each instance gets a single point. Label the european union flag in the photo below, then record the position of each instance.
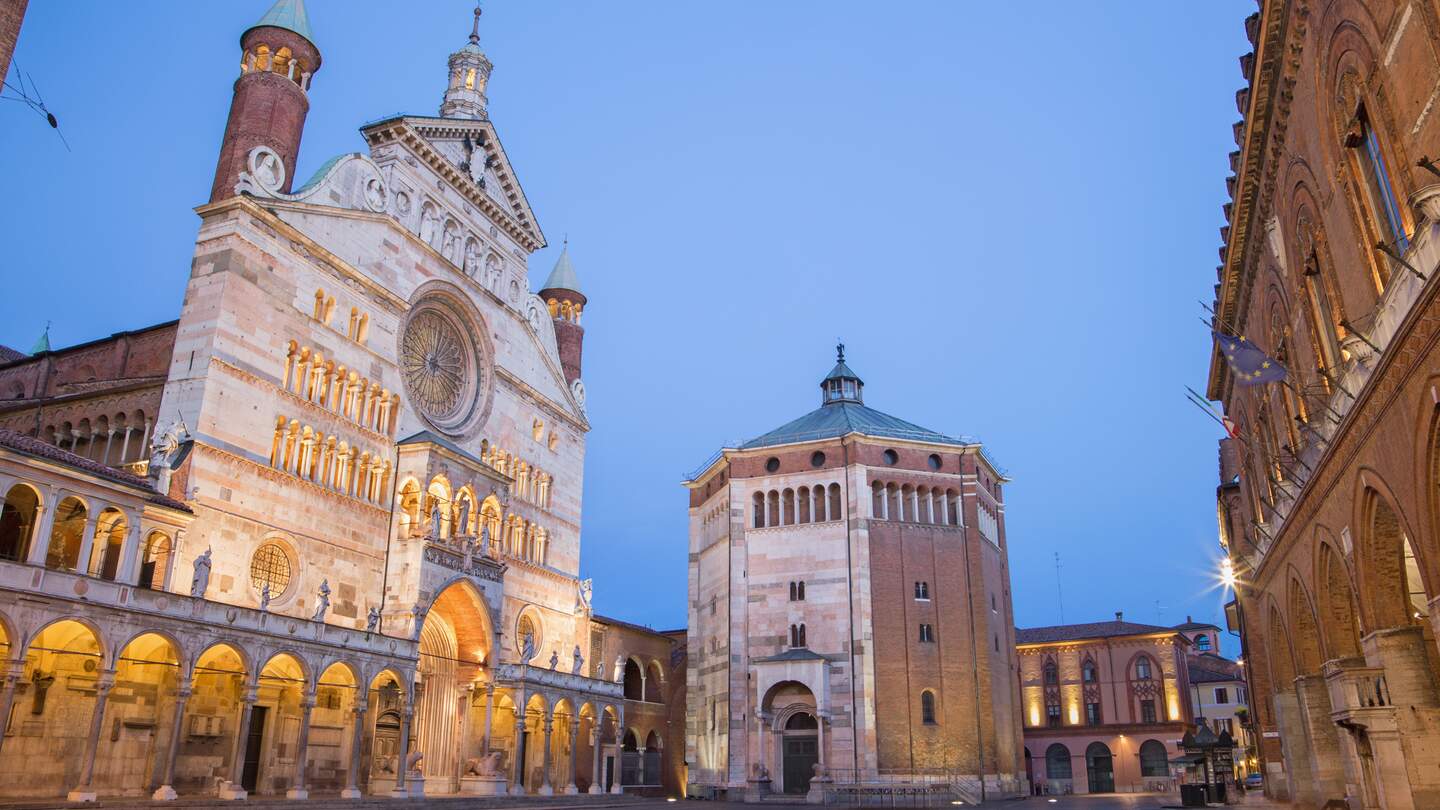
(1251, 366)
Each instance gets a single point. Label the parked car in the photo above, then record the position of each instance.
(1254, 781)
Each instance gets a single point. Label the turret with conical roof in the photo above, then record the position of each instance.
(270, 102)
(469, 74)
(561, 292)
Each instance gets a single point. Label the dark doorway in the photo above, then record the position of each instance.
(799, 752)
(1100, 768)
(254, 741)
(609, 772)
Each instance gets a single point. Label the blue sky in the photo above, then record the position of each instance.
(1007, 210)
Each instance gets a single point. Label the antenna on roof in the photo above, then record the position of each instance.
(1059, 595)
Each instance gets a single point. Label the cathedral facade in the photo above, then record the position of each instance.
(850, 614)
(323, 532)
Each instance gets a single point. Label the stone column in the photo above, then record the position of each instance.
(109, 440)
(232, 788)
(824, 760)
(166, 791)
(1326, 763)
(407, 713)
(85, 791)
(128, 571)
(40, 538)
(518, 786)
(597, 779)
(619, 786)
(302, 748)
(13, 671)
(489, 712)
(357, 742)
(1294, 745)
(545, 787)
(571, 789)
(87, 539)
(463, 718)
(125, 445)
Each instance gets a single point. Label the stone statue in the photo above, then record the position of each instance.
(450, 243)
(554, 659)
(620, 668)
(488, 765)
(579, 667)
(587, 589)
(429, 222)
(484, 538)
(527, 649)
(163, 447)
(472, 259)
(372, 620)
(462, 525)
(265, 598)
(201, 580)
(387, 764)
(322, 601)
(412, 763)
(435, 523)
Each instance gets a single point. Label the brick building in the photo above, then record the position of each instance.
(323, 531)
(1105, 705)
(850, 612)
(1327, 492)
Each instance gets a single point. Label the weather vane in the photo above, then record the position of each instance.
(839, 350)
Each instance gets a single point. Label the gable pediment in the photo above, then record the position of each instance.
(450, 148)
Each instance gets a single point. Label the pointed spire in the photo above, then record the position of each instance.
(469, 74)
(475, 29)
(43, 344)
(290, 15)
(562, 276)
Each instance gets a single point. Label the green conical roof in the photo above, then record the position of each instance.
(290, 15)
(43, 344)
(562, 276)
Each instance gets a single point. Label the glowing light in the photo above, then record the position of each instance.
(1052, 801)
(671, 799)
(1227, 573)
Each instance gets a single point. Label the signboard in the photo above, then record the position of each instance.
(1271, 735)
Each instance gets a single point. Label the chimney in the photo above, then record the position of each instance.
(1119, 615)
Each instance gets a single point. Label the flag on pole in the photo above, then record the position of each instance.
(1251, 366)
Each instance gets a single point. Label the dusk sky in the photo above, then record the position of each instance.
(1008, 211)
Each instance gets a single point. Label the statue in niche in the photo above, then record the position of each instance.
(527, 648)
(554, 660)
(201, 579)
(484, 538)
(587, 589)
(435, 523)
(372, 620)
(375, 194)
(472, 259)
(619, 668)
(429, 224)
(322, 601)
(451, 242)
(42, 684)
(265, 598)
(462, 525)
(269, 171)
(579, 667)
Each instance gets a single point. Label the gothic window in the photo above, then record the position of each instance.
(1147, 711)
(927, 634)
(922, 591)
(797, 591)
(797, 635)
(1052, 715)
(1092, 713)
(1088, 673)
(927, 707)
(1376, 175)
(1143, 671)
(1052, 674)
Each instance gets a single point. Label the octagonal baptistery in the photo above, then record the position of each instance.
(850, 610)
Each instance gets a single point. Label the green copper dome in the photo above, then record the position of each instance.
(290, 15)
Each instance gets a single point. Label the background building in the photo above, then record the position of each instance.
(1105, 705)
(850, 606)
(353, 562)
(1219, 696)
(1327, 497)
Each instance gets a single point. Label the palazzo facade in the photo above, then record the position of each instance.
(850, 614)
(1329, 491)
(323, 532)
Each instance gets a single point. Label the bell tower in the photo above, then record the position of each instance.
(278, 60)
(562, 294)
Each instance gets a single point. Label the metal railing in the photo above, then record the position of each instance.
(911, 788)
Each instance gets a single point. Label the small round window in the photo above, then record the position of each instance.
(772, 464)
(892, 458)
(817, 459)
(935, 461)
(270, 566)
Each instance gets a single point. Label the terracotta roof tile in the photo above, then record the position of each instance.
(35, 448)
(1075, 632)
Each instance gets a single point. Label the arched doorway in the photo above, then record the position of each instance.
(799, 751)
(1029, 770)
(1058, 773)
(1099, 768)
(17, 522)
(796, 730)
(630, 758)
(455, 640)
(140, 713)
(218, 686)
(387, 701)
(274, 730)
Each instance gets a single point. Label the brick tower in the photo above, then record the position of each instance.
(279, 58)
(562, 294)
